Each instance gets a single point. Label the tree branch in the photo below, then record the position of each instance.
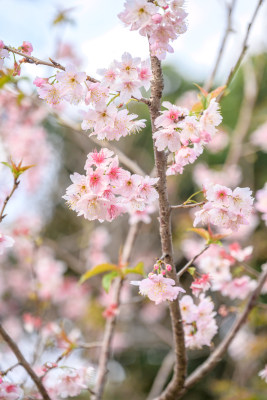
(111, 322)
(162, 375)
(228, 30)
(54, 64)
(24, 363)
(217, 354)
(185, 268)
(180, 365)
(15, 186)
(243, 50)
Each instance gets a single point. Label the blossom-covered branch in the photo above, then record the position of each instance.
(217, 354)
(21, 359)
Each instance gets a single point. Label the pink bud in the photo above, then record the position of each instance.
(156, 266)
(168, 267)
(157, 18)
(1, 44)
(163, 272)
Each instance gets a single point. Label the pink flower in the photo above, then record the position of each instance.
(261, 202)
(5, 241)
(10, 391)
(128, 67)
(263, 373)
(259, 137)
(27, 48)
(158, 288)
(201, 285)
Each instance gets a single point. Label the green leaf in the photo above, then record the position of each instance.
(138, 269)
(107, 280)
(99, 269)
(192, 271)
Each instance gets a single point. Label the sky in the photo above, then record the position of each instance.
(100, 36)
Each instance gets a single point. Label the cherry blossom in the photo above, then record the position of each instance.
(261, 202)
(158, 288)
(225, 208)
(108, 191)
(199, 322)
(263, 373)
(162, 22)
(10, 391)
(200, 285)
(5, 241)
(185, 134)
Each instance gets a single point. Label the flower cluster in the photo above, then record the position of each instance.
(185, 134)
(62, 383)
(261, 202)
(162, 21)
(225, 208)
(67, 86)
(199, 322)
(218, 266)
(107, 190)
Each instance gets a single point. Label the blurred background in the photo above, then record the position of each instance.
(89, 34)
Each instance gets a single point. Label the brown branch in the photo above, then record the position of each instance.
(177, 381)
(15, 186)
(217, 354)
(37, 61)
(185, 268)
(24, 363)
(111, 322)
(243, 50)
(54, 64)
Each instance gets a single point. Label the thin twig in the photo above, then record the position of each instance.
(162, 375)
(245, 115)
(88, 346)
(111, 322)
(217, 354)
(243, 50)
(24, 363)
(3, 373)
(185, 268)
(15, 186)
(229, 29)
(188, 205)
